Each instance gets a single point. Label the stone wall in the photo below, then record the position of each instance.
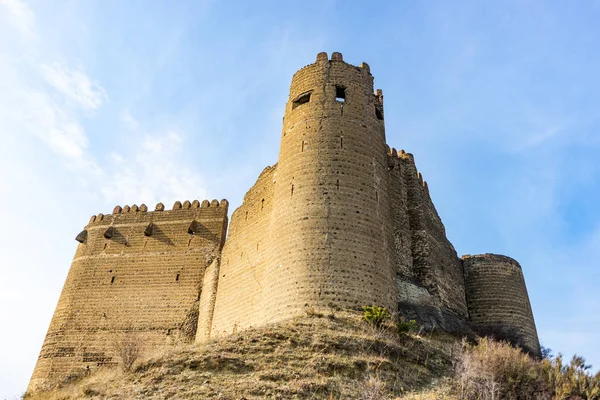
(135, 273)
(238, 302)
(429, 272)
(498, 300)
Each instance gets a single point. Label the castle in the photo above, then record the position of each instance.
(342, 220)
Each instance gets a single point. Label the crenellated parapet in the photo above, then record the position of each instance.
(397, 158)
(322, 58)
(132, 226)
(194, 207)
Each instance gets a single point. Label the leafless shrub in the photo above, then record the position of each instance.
(128, 347)
(494, 370)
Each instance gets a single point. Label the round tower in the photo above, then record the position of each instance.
(498, 301)
(331, 236)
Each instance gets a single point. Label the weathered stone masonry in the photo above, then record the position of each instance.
(137, 273)
(341, 221)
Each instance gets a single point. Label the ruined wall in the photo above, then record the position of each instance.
(429, 272)
(498, 300)
(242, 272)
(135, 273)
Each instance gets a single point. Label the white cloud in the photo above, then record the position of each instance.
(153, 172)
(20, 16)
(49, 164)
(75, 84)
(55, 127)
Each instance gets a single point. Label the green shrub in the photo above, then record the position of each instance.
(376, 315)
(409, 326)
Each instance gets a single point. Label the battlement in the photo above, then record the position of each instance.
(121, 213)
(336, 57)
(394, 157)
(128, 225)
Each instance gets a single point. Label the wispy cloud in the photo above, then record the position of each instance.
(130, 122)
(75, 85)
(20, 16)
(55, 127)
(153, 171)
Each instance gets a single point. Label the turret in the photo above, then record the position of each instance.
(330, 231)
(498, 300)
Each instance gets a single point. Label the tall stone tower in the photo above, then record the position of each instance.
(330, 222)
(315, 230)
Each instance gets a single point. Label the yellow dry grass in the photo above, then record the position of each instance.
(315, 357)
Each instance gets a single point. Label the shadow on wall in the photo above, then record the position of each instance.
(158, 234)
(112, 233)
(198, 229)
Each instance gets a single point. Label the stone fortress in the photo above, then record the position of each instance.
(342, 220)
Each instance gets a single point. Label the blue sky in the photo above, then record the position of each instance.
(110, 102)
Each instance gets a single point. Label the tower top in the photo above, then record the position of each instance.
(337, 56)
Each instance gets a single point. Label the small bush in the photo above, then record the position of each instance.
(375, 315)
(128, 348)
(409, 326)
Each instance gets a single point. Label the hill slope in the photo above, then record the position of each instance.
(334, 356)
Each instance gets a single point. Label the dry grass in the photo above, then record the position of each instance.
(315, 357)
(337, 356)
(491, 370)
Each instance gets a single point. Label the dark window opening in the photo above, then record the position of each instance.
(292, 191)
(340, 94)
(378, 113)
(177, 278)
(302, 99)
(303, 146)
(112, 280)
(341, 142)
(262, 204)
